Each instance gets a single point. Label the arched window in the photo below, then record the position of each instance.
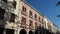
(30, 32)
(14, 3)
(35, 16)
(12, 18)
(2, 11)
(30, 13)
(23, 8)
(23, 31)
(5, 1)
(30, 23)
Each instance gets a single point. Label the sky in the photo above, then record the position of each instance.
(48, 8)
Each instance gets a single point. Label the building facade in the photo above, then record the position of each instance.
(54, 29)
(18, 17)
(50, 26)
(8, 16)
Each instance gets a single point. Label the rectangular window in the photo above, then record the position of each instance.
(39, 19)
(49, 27)
(30, 13)
(2, 11)
(30, 23)
(35, 25)
(14, 3)
(12, 18)
(5, 1)
(23, 20)
(42, 21)
(35, 16)
(23, 9)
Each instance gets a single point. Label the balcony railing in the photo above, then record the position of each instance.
(39, 20)
(36, 19)
(35, 27)
(31, 16)
(31, 27)
(23, 25)
(23, 12)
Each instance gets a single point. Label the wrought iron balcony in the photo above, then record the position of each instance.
(31, 16)
(31, 27)
(36, 27)
(40, 21)
(36, 19)
(24, 13)
(23, 25)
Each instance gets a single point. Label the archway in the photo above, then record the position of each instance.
(23, 31)
(36, 32)
(1, 30)
(30, 32)
(10, 31)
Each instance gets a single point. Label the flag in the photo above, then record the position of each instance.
(58, 3)
(58, 15)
